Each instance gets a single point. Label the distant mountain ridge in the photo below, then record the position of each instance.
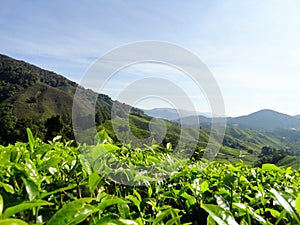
(39, 93)
(31, 97)
(173, 114)
(265, 119)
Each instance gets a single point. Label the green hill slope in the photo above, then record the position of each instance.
(42, 100)
(34, 95)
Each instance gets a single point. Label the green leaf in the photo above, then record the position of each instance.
(270, 167)
(128, 222)
(124, 210)
(85, 164)
(31, 188)
(152, 159)
(191, 199)
(101, 151)
(150, 192)
(281, 217)
(184, 189)
(1, 205)
(161, 216)
(114, 220)
(94, 180)
(12, 222)
(175, 220)
(24, 206)
(229, 180)
(273, 212)
(69, 187)
(222, 202)
(32, 172)
(108, 202)
(13, 154)
(210, 221)
(251, 212)
(102, 137)
(73, 213)
(219, 215)
(298, 204)
(204, 186)
(136, 193)
(7, 187)
(135, 201)
(30, 139)
(243, 222)
(286, 205)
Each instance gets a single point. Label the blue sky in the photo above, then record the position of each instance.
(251, 47)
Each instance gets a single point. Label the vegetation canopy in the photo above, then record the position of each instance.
(53, 183)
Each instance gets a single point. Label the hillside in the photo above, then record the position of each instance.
(16, 75)
(29, 96)
(42, 100)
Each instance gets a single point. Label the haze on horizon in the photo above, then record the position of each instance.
(251, 47)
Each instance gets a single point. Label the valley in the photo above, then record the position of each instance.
(31, 96)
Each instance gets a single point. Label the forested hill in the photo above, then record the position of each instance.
(42, 100)
(16, 75)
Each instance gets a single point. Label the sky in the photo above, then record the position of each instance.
(251, 47)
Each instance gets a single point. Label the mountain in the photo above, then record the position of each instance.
(265, 120)
(173, 114)
(32, 91)
(42, 100)
(31, 96)
(189, 121)
(167, 113)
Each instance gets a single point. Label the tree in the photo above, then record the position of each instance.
(54, 126)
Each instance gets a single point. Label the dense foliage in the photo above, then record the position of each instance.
(34, 97)
(53, 183)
